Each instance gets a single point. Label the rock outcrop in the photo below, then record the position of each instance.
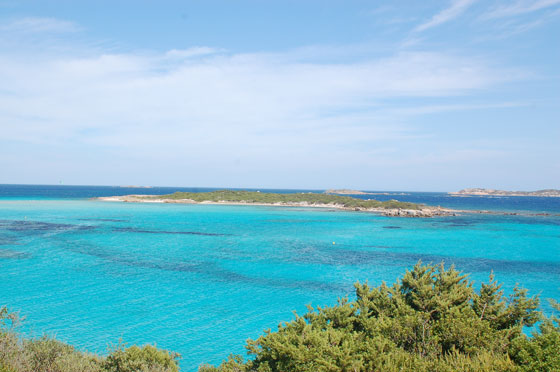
(425, 213)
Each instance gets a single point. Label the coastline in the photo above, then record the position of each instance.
(464, 195)
(424, 212)
(547, 193)
(358, 192)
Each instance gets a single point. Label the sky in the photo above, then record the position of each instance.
(372, 95)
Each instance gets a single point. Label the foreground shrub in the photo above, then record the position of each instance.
(542, 351)
(141, 359)
(430, 320)
(47, 354)
(42, 355)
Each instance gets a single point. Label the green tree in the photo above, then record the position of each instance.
(47, 354)
(430, 320)
(542, 351)
(147, 358)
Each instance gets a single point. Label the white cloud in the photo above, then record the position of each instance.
(191, 52)
(457, 8)
(435, 109)
(133, 100)
(39, 25)
(520, 7)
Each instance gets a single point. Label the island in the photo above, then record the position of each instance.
(238, 197)
(347, 192)
(492, 192)
(358, 192)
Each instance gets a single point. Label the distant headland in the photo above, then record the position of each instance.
(237, 197)
(358, 192)
(346, 192)
(492, 192)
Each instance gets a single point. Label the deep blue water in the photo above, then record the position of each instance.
(201, 279)
(80, 192)
(501, 203)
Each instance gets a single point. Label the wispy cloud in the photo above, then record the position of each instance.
(435, 109)
(135, 100)
(39, 25)
(519, 8)
(191, 52)
(227, 119)
(457, 8)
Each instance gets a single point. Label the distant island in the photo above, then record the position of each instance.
(346, 192)
(358, 192)
(235, 197)
(492, 192)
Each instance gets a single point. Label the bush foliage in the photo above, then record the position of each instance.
(47, 354)
(430, 320)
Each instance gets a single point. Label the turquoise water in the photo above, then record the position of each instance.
(201, 279)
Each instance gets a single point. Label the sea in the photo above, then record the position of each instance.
(202, 279)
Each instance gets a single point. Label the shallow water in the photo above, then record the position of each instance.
(201, 279)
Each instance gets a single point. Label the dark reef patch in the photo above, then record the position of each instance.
(333, 256)
(40, 227)
(538, 220)
(8, 253)
(456, 222)
(498, 218)
(209, 269)
(143, 231)
(392, 227)
(7, 240)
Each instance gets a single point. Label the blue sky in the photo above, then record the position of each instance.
(375, 95)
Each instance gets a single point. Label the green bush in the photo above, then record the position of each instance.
(430, 320)
(47, 354)
(147, 358)
(542, 351)
(44, 354)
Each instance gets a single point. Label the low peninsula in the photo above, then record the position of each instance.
(347, 192)
(492, 192)
(358, 192)
(238, 197)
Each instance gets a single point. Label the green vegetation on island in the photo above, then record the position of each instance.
(241, 196)
(430, 320)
